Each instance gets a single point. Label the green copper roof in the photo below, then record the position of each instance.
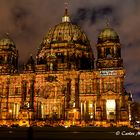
(7, 44)
(108, 33)
(65, 31)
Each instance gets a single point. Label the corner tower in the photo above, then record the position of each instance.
(109, 50)
(8, 56)
(112, 99)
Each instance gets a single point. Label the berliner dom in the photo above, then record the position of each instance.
(63, 82)
(65, 47)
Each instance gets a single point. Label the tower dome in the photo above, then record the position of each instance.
(7, 44)
(8, 56)
(108, 34)
(108, 50)
(63, 41)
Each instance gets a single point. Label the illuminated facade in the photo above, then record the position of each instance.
(62, 82)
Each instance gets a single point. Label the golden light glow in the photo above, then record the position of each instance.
(10, 110)
(91, 116)
(74, 110)
(110, 104)
(90, 105)
(63, 84)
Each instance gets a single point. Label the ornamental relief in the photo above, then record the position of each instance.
(50, 89)
(109, 92)
(109, 87)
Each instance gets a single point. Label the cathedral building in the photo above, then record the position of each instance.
(64, 81)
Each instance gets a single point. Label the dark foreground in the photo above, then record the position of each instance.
(73, 133)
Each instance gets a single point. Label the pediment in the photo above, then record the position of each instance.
(109, 92)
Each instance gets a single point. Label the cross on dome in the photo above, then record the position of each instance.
(66, 17)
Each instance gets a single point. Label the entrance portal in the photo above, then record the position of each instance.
(111, 110)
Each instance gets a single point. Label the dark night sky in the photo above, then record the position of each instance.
(28, 21)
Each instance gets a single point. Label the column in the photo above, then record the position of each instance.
(32, 94)
(98, 115)
(7, 96)
(91, 110)
(81, 110)
(17, 107)
(85, 110)
(77, 92)
(117, 110)
(72, 97)
(104, 110)
(94, 110)
(23, 90)
(68, 93)
(14, 110)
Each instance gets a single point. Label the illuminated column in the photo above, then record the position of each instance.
(81, 110)
(77, 92)
(98, 92)
(85, 110)
(129, 110)
(98, 115)
(24, 90)
(17, 107)
(94, 110)
(68, 93)
(2, 87)
(72, 97)
(91, 110)
(14, 110)
(50, 109)
(104, 110)
(55, 95)
(7, 96)
(42, 110)
(32, 94)
(42, 107)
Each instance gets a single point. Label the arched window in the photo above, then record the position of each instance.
(108, 53)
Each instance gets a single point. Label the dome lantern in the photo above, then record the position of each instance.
(66, 17)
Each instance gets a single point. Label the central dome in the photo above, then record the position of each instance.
(65, 32)
(68, 45)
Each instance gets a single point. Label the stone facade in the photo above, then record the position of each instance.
(63, 83)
